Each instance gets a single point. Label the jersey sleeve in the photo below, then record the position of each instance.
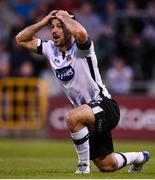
(87, 48)
(84, 46)
(42, 47)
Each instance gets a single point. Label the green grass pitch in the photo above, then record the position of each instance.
(56, 159)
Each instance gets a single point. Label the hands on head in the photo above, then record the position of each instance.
(59, 14)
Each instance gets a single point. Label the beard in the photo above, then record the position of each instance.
(67, 39)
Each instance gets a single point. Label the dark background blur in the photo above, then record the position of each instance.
(123, 32)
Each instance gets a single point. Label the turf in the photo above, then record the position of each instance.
(27, 159)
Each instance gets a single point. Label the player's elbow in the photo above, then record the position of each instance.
(18, 39)
(20, 42)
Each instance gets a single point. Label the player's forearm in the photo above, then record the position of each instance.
(28, 33)
(78, 31)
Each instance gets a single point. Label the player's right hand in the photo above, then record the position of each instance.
(47, 18)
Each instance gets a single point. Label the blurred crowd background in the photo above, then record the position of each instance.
(123, 32)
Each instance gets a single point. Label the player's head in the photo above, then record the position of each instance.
(60, 34)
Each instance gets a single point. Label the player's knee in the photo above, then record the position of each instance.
(107, 167)
(71, 120)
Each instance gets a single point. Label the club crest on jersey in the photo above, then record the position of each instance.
(65, 73)
(68, 58)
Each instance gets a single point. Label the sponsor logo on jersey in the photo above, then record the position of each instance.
(65, 73)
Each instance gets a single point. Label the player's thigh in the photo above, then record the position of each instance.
(83, 114)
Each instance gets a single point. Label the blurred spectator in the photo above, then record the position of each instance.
(5, 9)
(148, 63)
(16, 28)
(105, 44)
(38, 14)
(135, 55)
(151, 8)
(42, 10)
(131, 6)
(119, 77)
(105, 47)
(4, 60)
(18, 55)
(148, 35)
(132, 48)
(7, 19)
(26, 69)
(3, 30)
(109, 11)
(39, 62)
(89, 19)
(23, 7)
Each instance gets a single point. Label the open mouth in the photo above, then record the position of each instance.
(56, 37)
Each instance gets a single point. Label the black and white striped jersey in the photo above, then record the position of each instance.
(77, 71)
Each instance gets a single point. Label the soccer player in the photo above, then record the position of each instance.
(74, 63)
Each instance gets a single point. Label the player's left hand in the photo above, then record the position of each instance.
(63, 14)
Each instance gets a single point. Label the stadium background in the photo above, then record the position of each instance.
(32, 104)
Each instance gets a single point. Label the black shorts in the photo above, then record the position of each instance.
(107, 116)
